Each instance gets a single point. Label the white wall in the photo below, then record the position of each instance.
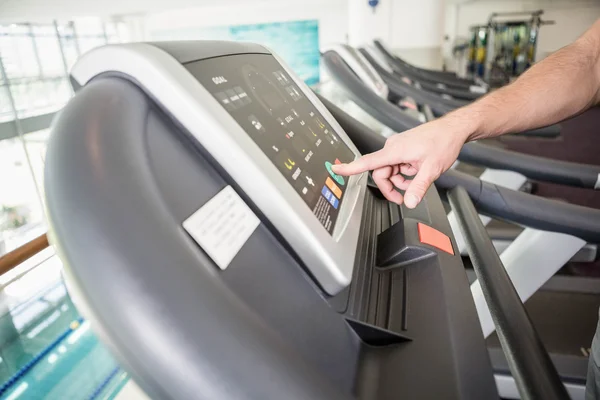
(571, 22)
(417, 23)
(366, 24)
(572, 19)
(402, 24)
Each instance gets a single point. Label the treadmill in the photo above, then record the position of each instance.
(438, 103)
(433, 81)
(220, 258)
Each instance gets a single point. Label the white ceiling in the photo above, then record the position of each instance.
(44, 10)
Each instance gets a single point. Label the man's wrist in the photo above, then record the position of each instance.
(466, 123)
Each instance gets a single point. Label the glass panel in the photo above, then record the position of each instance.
(43, 30)
(41, 96)
(18, 55)
(89, 27)
(66, 29)
(6, 112)
(21, 216)
(70, 50)
(18, 29)
(88, 43)
(36, 144)
(50, 56)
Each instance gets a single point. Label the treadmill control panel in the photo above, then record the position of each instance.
(264, 100)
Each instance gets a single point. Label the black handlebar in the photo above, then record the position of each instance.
(526, 209)
(415, 74)
(439, 104)
(455, 93)
(527, 358)
(533, 167)
(388, 114)
(401, 89)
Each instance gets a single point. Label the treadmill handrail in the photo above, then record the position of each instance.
(388, 113)
(417, 75)
(456, 93)
(492, 200)
(438, 103)
(527, 209)
(527, 358)
(400, 88)
(533, 167)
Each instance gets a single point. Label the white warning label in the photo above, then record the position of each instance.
(222, 226)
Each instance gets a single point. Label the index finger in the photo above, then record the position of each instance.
(368, 162)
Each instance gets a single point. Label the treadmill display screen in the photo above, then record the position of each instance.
(264, 100)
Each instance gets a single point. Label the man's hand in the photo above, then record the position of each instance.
(424, 152)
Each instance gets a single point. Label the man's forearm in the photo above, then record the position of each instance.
(564, 84)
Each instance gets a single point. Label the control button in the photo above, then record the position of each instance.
(296, 174)
(435, 238)
(335, 189)
(326, 193)
(224, 99)
(337, 161)
(334, 202)
(310, 181)
(330, 197)
(338, 178)
(233, 98)
(256, 123)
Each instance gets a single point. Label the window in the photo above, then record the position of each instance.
(34, 84)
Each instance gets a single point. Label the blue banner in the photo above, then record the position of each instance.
(297, 42)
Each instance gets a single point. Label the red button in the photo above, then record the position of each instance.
(435, 238)
(337, 161)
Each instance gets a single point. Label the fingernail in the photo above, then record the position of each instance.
(411, 201)
(334, 167)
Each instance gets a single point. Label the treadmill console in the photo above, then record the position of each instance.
(266, 129)
(264, 100)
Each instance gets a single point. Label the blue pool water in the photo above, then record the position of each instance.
(54, 355)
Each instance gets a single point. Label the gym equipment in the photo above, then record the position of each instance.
(477, 51)
(190, 241)
(439, 105)
(505, 47)
(453, 86)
